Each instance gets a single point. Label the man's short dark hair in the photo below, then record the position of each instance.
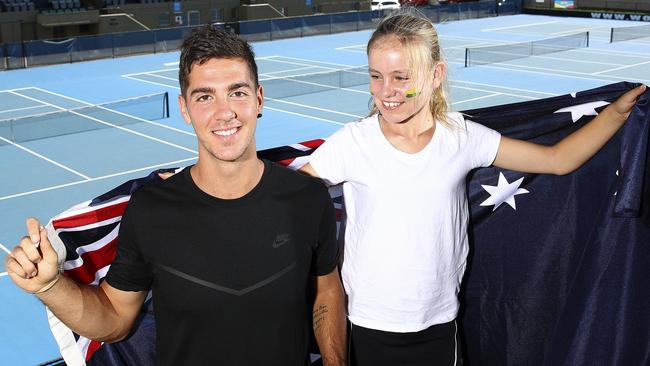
(207, 42)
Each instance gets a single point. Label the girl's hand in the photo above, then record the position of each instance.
(623, 105)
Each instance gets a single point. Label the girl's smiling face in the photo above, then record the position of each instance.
(397, 94)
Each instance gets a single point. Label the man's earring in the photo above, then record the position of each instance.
(259, 115)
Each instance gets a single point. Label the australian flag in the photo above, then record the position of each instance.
(558, 265)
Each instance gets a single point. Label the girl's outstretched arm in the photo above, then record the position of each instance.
(572, 151)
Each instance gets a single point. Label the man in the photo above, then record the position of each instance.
(234, 248)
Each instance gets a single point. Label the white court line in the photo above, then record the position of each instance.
(477, 98)
(3, 274)
(501, 87)
(315, 108)
(304, 115)
(307, 60)
(316, 84)
(163, 77)
(620, 68)
(592, 31)
(115, 126)
(94, 179)
(494, 91)
(473, 39)
(21, 109)
(300, 64)
(291, 70)
(176, 63)
(576, 60)
(120, 113)
(149, 72)
(355, 50)
(10, 90)
(570, 32)
(148, 81)
(354, 46)
(545, 57)
(479, 44)
(614, 52)
(553, 72)
(517, 26)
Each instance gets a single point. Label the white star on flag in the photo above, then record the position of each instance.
(587, 109)
(503, 192)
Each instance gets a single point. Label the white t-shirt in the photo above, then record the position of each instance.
(406, 230)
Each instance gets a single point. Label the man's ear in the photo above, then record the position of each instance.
(184, 112)
(260, 100)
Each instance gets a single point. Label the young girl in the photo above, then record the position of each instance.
(403, 170)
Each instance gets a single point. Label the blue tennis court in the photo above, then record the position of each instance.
(103, 122)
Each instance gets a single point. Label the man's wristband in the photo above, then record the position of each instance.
(48, 286)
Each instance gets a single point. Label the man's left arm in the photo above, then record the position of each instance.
(329, 319)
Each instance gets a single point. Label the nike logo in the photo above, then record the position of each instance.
(281, 240)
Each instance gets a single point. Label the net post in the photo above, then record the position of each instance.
(358, 21)
(12, 135)
(166, 105)
(330, 23)
(23, 49)
(466, 57)
(155, 41)
(587, 38)
(611, 35)
(71, 48)
(5, 57)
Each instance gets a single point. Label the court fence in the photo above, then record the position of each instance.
(84, 48)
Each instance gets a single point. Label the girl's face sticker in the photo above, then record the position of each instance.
(412, 93)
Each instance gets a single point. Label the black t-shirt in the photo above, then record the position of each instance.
(229, 277)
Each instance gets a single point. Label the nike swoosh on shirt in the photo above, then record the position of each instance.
(281, 240)
(279, 243)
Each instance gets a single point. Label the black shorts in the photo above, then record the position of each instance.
(434, 346)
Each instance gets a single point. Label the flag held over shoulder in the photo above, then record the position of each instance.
(557, 267)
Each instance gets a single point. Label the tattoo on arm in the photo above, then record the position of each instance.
(319, 316)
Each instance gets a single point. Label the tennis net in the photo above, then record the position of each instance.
(86, 118)
(627, 33)
(295, 85)
(506, 52)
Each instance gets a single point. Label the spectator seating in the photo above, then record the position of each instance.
(16, 5)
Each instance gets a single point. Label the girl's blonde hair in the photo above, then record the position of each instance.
(420, 41)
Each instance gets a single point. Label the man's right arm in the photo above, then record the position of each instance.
(97, 312)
